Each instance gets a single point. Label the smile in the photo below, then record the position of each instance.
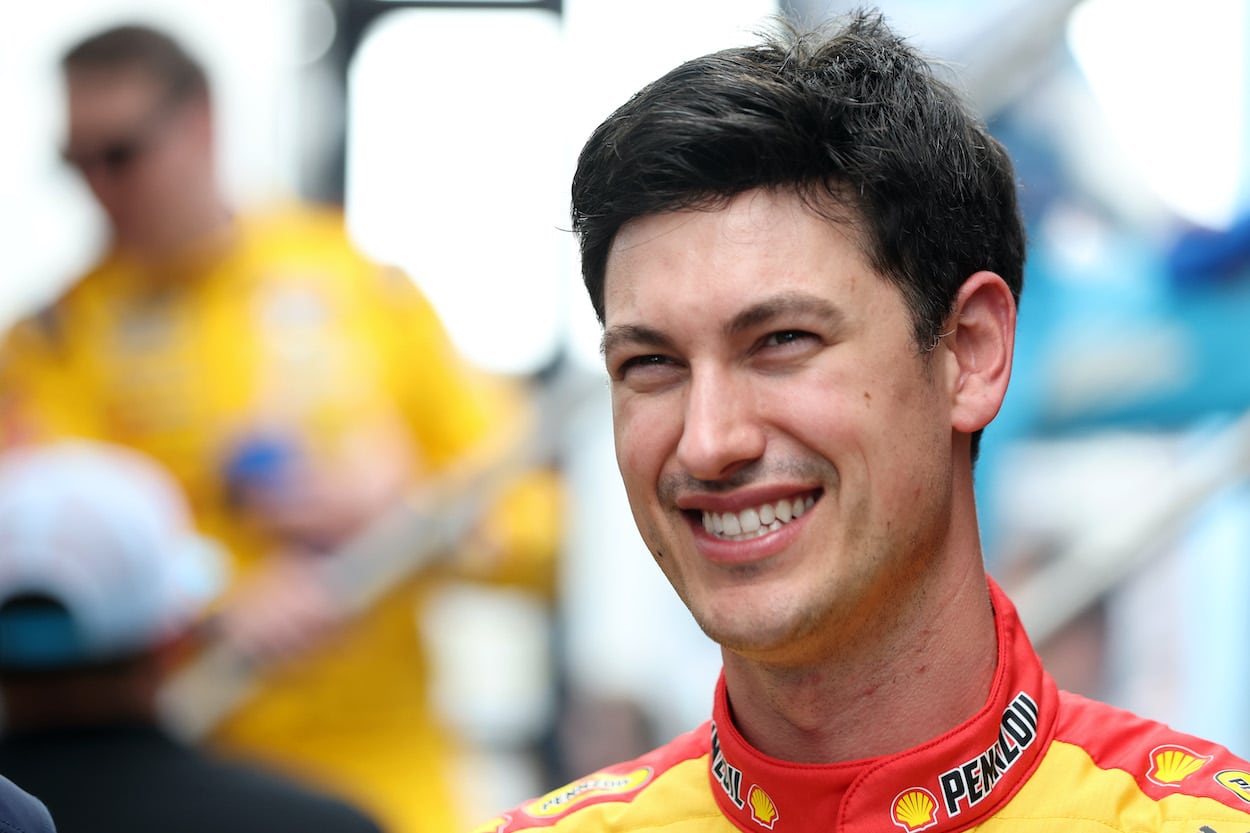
(755, 521)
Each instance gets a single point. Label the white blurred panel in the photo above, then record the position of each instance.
(1172, 86)
(456, 132)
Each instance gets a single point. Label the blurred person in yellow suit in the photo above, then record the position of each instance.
(298, 391)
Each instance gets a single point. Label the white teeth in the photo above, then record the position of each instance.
(750, 520)
(756, 520)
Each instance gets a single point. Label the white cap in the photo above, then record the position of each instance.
(105, 533)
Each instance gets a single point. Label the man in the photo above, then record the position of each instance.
(298, 392)
(100, 579)
(806, 256)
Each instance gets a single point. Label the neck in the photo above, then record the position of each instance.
(81, 698)
(896, 686)
(194, 234)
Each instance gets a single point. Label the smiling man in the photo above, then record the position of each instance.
(807, 256)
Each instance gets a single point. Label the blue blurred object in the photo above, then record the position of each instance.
(1202, 257)
(262, 463)
(1145, 350)
(1117, 330)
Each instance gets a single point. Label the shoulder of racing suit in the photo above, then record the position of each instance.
(666, 786)
(1109, 769)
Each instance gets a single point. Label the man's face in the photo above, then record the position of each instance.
(139, 151)
(786, 449)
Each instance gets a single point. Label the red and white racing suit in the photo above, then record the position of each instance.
(1032, 759)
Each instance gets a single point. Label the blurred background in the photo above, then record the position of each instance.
(1113, 494)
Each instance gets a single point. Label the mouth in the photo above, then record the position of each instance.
(756, 521)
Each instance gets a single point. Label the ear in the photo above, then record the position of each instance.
(980, 344)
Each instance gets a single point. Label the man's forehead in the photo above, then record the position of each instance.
(753, 211)
(104, 95)
(742, 217)
(777, 239)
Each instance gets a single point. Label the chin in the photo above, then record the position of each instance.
(754, 633)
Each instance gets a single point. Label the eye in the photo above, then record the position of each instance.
(787, 337)
(785, 349)
(641, 363)
(648, 372)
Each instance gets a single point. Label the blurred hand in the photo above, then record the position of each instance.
(281, 610)
(318, 500)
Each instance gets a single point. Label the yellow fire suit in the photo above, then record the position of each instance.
(284, 331)
(1032, 758)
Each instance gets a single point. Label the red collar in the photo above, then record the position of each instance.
(948, 784)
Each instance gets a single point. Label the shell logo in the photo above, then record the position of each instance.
(1173, 764)
(915, 809)
(763, 810)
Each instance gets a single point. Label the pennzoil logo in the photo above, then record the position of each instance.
(1236, 781)
(1171, 764)
(727, 775)
(915, 809)
(593, 786)
(970, 783)
(763, 810)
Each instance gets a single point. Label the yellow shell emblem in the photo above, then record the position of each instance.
(915, 809)
(763, 810)
(1173, 764)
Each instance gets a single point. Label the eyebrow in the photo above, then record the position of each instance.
(783, 304)
(639, 334)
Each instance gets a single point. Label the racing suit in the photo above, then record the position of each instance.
(286, 340)
(1032, 759)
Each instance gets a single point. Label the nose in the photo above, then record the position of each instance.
(722, 431)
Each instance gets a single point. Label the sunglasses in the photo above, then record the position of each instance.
(116, 156)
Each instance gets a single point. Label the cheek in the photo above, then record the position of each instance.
(145, 190)
(641, 466)
(645, 436)
(635, 455)
(640, 463)
(827, 412)
(915, 451)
